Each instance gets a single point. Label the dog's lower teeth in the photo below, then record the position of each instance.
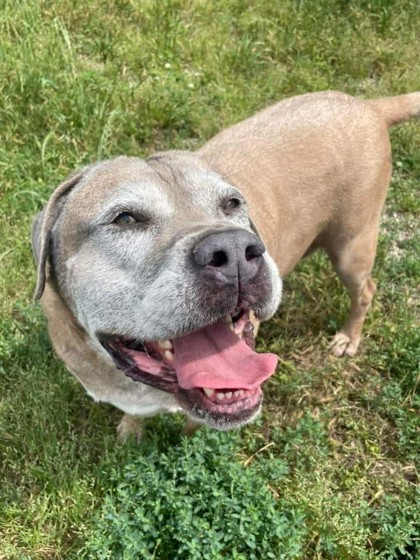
(222, 396)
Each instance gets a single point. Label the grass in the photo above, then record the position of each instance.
(82, 81)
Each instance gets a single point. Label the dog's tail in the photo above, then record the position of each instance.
(398, 109)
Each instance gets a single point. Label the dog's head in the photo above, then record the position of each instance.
(160, 264)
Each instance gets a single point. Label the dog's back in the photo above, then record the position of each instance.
(311, 166)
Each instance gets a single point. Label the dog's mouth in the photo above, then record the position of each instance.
(214, 372)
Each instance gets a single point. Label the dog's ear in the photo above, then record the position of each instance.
(42, 229)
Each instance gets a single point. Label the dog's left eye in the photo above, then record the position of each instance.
(125, 219)
(231, 204)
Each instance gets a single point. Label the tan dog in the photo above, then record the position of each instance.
(156, 270)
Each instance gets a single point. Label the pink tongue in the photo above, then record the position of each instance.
(216, 358)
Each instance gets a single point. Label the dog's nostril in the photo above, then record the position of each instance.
(254, 252)
(219, 258)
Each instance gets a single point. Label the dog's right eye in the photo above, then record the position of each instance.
(125, 219)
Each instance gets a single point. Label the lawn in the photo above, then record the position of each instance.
(329, 470)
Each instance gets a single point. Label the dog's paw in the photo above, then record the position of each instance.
(342, 345)
(190, 426)
(130, 426)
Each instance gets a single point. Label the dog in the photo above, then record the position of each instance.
(155, 274)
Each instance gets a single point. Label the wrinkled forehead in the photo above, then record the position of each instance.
(164, 183)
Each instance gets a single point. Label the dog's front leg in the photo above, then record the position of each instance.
(190, 426)
(353, 263)
(130, 426)
(346, 341)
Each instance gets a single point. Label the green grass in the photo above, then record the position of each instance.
(82, 81)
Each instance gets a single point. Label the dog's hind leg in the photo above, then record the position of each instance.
(353, 262)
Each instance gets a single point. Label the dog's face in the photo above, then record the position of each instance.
(159, 263)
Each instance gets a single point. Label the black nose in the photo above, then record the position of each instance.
(230, 256)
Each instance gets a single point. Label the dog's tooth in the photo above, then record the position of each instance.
(165, 344)
(228, 319)
(229, 322)
(168, 356)
(228, 395)
(220, 396)
(238, 393)
(209, 392)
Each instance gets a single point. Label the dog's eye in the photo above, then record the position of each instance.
(125, 219)
(231, 204)
(133, 220)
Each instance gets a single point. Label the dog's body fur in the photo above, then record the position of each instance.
(314, 170)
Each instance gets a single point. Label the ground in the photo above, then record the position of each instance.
(85, 81)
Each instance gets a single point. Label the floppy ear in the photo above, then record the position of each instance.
(42, 228)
